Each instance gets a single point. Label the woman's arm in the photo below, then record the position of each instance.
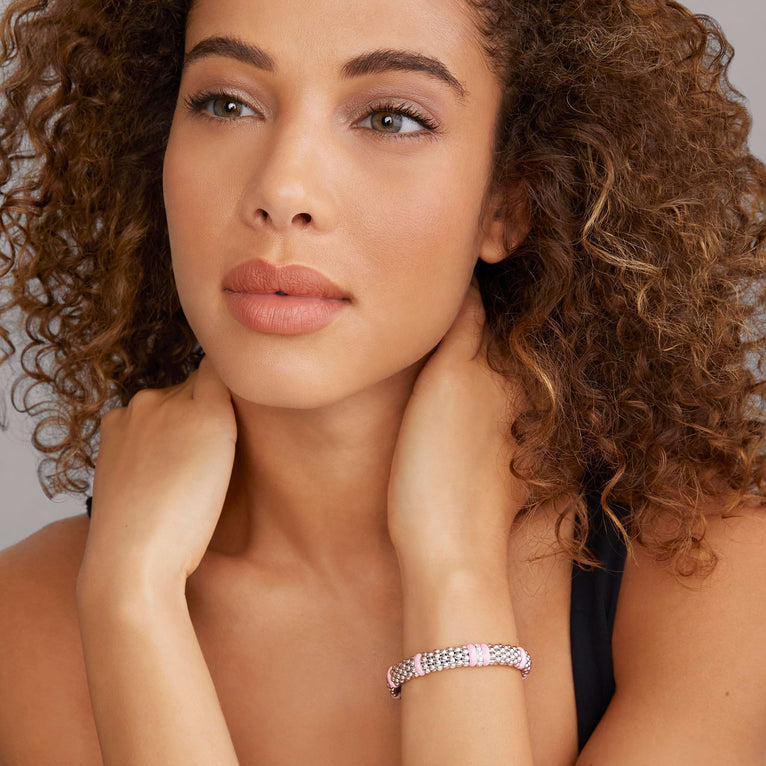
(163, 470)
(688, 660)
(458, 716)
(152, 695)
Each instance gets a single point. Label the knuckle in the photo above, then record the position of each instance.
(145, 396)
(111, 417)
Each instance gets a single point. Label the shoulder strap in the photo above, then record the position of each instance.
(593, 606)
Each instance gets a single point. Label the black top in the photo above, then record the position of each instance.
(594, 600)
(591, 618)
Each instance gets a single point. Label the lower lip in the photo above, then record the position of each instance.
(283, 314)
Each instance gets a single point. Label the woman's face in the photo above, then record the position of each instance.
(311, 167)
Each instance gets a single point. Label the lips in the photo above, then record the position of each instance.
(259, 276)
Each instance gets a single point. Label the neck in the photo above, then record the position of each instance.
(309, 488)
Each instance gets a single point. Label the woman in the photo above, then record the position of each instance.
(394, 320)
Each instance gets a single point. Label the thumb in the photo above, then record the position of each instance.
(207, 382)
(465, 336)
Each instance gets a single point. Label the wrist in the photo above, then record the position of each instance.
(437, 588)
(428, 571)
(462, 606)
(126, 587)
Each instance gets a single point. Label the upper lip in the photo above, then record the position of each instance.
(259, 276)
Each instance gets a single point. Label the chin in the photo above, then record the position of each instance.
(299, 389)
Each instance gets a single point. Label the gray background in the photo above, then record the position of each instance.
(24, 508)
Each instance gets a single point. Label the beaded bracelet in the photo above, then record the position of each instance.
(468, 655)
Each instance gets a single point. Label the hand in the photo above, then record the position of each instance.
(451, 496)
(161, 478)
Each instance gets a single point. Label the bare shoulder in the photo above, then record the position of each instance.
(58, 543)
(45, 712)
(689, 675)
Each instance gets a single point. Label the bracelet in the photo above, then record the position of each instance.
(468, 655)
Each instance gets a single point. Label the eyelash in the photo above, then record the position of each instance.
(196, 104)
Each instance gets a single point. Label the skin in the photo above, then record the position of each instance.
(164, 662)
(305, 175)
(234, 457)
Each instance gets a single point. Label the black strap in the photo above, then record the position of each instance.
(593, 606)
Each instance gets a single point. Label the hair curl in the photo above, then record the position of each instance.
(630, 313)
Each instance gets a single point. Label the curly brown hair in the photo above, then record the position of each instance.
(630, 313)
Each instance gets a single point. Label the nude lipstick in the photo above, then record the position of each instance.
(282, 300)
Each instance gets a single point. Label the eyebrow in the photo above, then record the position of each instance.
(373, 62)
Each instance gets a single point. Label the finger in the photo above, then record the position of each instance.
(465, 336)
(206, 381)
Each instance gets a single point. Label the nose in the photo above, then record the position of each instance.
(290, 184)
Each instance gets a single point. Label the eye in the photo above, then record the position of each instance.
(229, 106)
(226, 107)
(393, 116)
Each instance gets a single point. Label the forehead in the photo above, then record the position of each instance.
(319, 35)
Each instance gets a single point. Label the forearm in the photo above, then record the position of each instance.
(461, 715)
(152, 695)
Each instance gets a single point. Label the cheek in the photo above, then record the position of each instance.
(195, 214)
(419, 247)
(422, 215)
(189, 203)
